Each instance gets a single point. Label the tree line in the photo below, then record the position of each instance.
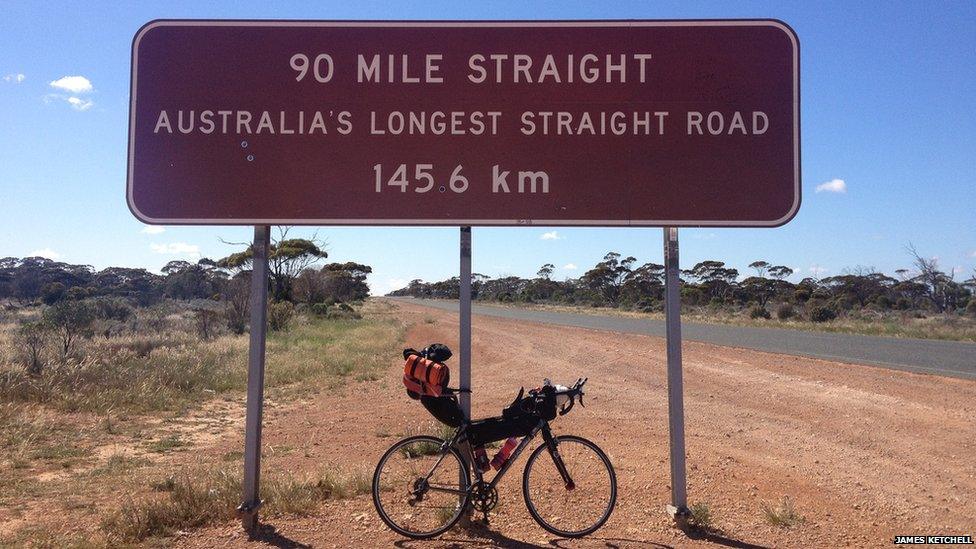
(76, 301)
(620, 282)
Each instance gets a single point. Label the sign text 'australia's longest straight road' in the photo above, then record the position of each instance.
(465, 123)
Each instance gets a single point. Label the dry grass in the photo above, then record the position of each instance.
(174, 369)
(782, 514)
(107, 419)
(190, 500)
(701, 516)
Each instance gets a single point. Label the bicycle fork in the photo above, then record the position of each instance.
(556, 458)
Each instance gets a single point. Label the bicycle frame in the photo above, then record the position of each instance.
(459, 439)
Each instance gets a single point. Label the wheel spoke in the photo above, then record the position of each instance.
(419, 489)
(570, 509)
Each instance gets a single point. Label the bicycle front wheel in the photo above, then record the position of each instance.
(420, 487)
(577, 508)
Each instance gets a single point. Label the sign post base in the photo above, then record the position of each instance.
(680, 516)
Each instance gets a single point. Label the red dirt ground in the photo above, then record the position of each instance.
(865, 453)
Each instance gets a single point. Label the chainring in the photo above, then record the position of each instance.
(484, 497)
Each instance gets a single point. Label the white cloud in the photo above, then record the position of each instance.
(570, 267)
(833, 186)
(817, 270)
(153, 229)
(73, 84)
(176, 248)
(45, 252)
(15, 78)
(80, 104)
(551, 235)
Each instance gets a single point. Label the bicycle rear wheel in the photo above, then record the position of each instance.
(420, 488)
(577, 509)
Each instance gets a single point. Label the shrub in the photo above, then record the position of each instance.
(343, 314)
(781, 514)
(78, 293)
(701, 516)
(280, 315)
(903, 304)
(971, 307)
(320, 309)
(785, 311)
(822, 314)
(69, 320)
(112, 308)
(236, 295)
(31, 339)
(759, 312)
(648, 305)
(206, 321)
(800, 295)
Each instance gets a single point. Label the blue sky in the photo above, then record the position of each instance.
(888, 107)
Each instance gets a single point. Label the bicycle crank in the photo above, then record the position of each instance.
(484, 498)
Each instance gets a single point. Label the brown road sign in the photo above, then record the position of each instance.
(644, 123)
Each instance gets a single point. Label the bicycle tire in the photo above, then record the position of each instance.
(531, 506)
(384, 516)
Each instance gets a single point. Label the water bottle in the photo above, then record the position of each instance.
(502, 456)
(481, 459)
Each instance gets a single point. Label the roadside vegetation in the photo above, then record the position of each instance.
(210, 497)
(108, 380)
(782, 513)
(701, 516)
(922, 301)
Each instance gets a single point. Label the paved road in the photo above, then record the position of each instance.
(946, 358)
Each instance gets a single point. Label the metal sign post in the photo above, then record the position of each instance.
(465, 311)
(676, 408)
(255, 378)
(464, 335)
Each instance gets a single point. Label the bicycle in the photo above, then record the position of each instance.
(422, 484)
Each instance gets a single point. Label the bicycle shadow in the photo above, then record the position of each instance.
(481, 533)
(612, 543)
(485, 535)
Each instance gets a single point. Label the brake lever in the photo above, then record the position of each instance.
(566, 408)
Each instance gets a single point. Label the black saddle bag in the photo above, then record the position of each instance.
(445, 408)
